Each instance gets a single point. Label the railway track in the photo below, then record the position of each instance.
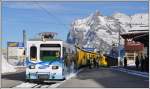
(35, 85)
(46, 84)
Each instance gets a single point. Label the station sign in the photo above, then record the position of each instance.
(15, 44)
(89, 49)
(12, 44)
(20, 44)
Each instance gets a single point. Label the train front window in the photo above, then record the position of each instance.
(49, 52)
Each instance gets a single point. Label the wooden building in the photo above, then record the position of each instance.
(133, 48)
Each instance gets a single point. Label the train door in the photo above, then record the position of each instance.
(33, 53)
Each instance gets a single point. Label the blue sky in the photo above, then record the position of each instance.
(35, 17)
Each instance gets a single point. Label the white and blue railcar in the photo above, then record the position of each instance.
(49, 59)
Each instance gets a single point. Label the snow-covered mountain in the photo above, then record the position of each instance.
(100, 31)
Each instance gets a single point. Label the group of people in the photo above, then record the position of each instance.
(141, 63)
(93, 63)
(144, 62)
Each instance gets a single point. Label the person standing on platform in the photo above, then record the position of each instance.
(91, 63)
(88, 63)
(97, 62)
(125, 62)
(137, 62)
(142, 63)
(146, 64)
(94, 62)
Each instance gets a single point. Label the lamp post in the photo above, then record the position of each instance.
(24, 45)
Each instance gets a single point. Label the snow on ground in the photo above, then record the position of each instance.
(6, 67)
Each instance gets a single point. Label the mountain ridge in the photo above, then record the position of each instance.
(98, 31)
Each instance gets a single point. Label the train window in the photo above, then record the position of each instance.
(50, 45)
(33, 53)
(49, 52)
(64, 52)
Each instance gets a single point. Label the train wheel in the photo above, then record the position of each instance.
(27, 80)
(64, 78)
(39, 81)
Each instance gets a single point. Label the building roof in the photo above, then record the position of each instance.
(143, 39)
(132, 34)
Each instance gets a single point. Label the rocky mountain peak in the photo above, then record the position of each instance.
(98, 31)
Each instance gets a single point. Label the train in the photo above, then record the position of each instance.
(83, 55)
(49, 59)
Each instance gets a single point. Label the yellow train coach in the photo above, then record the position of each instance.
(82, 56)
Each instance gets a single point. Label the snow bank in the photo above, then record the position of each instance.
(6, 67)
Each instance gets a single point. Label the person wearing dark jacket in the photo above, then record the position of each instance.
(89, 63)
(137, 62)
(125, 62)
(142, 63)
(146, 64)
(94, 62)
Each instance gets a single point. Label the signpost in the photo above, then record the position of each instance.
(119, 31)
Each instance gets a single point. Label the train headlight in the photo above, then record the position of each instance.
(32, 67)
(55, 67)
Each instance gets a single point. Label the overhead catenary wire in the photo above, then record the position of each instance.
(59, 21)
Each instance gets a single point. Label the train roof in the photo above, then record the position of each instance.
(38, 39)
